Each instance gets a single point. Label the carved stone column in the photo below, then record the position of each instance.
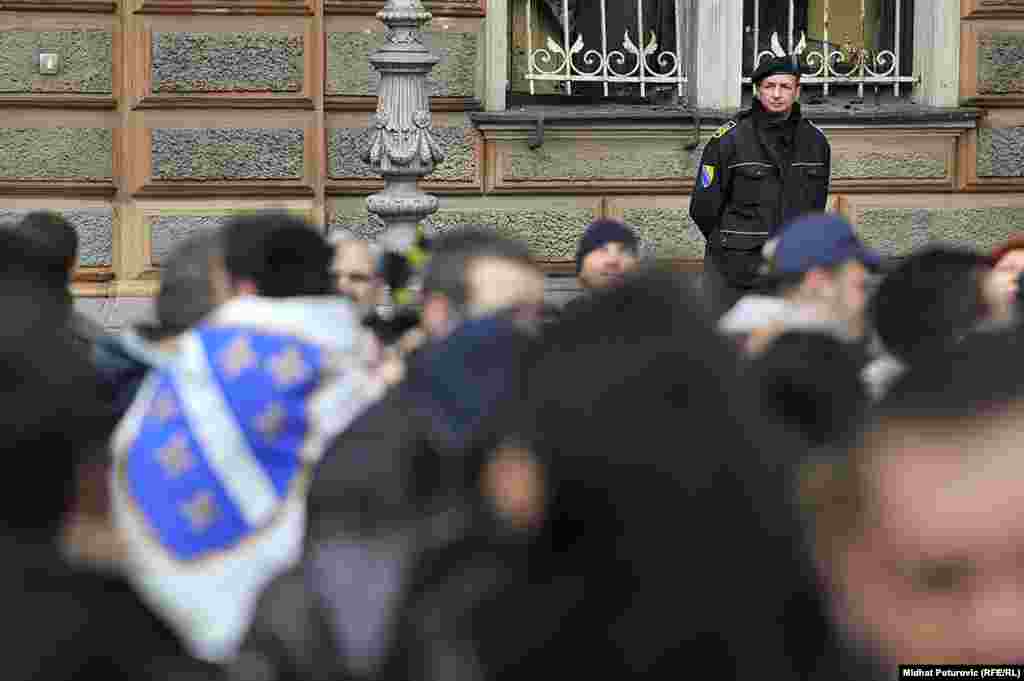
(403, 148)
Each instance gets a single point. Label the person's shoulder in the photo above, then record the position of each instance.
(814, 127)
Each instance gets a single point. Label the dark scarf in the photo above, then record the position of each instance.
(777, 131)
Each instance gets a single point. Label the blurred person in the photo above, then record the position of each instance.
(607, 587)
(356, 274)
(930, 302)
(68, 619)
(58, 240)
(811, 383)
(187, 294)
(1002, 291)
(919, 529)
(213, 458)
(820, 271)
(758, 172)
(390, 574)
(475, 273)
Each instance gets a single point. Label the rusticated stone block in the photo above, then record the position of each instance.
(1001, 63)
(979, 228)
(349, 72)
(1001, 152)
(86, 61)
(167, 231)
(551, 234)
(227, 62)
(345, 147)
(95, 227)
(56, 153)
(227, 153)
(894, 232)
(888, 165)
(666, 233)
(900, 231)
(570, 159)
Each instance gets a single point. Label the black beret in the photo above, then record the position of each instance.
(775, 66)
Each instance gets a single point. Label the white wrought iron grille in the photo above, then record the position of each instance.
(834, 64)
(619, 55)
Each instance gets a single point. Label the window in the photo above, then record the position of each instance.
(599, 48)
(849, 43)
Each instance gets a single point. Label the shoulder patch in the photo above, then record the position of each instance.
(722, 131)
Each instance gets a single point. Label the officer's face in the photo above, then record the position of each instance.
(777, 93)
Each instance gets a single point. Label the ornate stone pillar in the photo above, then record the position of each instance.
(403, 148)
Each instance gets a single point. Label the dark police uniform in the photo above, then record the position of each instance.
(757, 173)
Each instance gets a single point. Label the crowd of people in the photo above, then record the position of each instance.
(286, 475)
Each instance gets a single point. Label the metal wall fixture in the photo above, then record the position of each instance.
(635, 58)
(839, 63)
(49, 63)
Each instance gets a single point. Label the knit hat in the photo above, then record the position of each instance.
(601, 232)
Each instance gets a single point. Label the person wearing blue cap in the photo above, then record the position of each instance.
(760, 170)
(819, 269)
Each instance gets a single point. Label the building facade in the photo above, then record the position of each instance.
(145, 120)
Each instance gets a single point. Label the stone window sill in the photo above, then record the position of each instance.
(835, 113)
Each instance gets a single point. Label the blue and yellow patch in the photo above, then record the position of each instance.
(707, 175)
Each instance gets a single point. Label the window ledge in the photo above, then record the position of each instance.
(901, 115)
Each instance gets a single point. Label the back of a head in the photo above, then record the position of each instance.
(811, 383)
(639, 419)
(55, 235)
(929, 302)
(25, 259)
(453, 252)
(186, 290)
(283, 255)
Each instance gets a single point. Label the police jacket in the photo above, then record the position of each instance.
(748, 185)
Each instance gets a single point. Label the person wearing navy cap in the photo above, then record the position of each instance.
(760, 170)
(819, 269)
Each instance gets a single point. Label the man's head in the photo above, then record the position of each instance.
(931, 301)
(56, 237)
(355, 272)
(921, 530)
(473, 273)
(277, 255)
(778, 83)
(606, 253)
(187, 288)
(819, 261)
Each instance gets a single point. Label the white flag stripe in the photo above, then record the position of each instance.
(221, 439)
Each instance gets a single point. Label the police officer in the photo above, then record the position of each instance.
(759, 171)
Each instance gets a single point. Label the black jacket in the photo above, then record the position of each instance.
(747, 187)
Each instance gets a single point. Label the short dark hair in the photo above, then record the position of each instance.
(23, 257)
(452, 254)
(55, 233)
(811, 383)
(929, 301)
(186, 291)
(279, 252)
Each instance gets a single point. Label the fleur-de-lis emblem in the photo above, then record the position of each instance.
(175, 457)
(288, 368)
(201, 511)
(271, 421)
(237, 357)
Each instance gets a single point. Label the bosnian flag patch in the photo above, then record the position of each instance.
(707, 176)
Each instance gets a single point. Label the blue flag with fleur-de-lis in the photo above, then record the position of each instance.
(213, 458)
